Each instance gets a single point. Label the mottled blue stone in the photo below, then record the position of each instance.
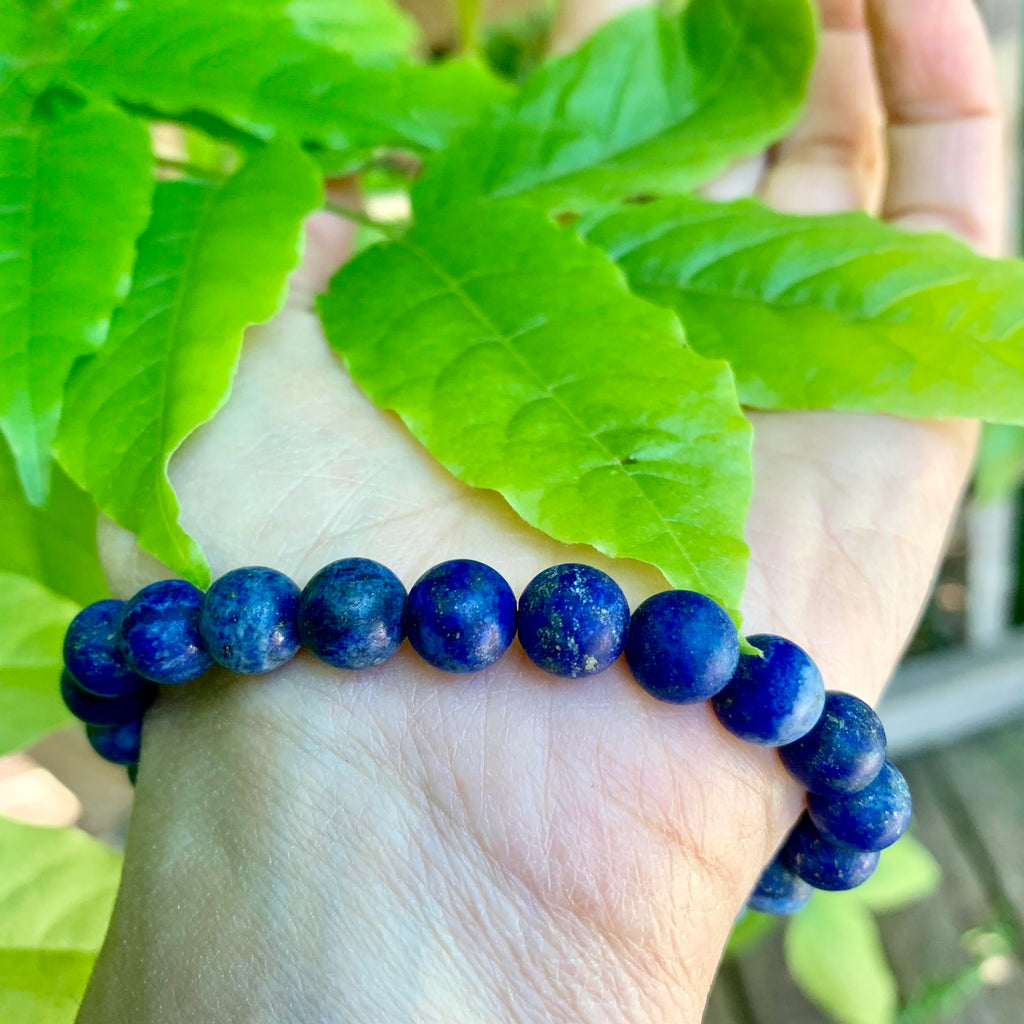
(119, 744)
(775, 699)
(843, 752)
(350, 613)
(93, 655)
(133, 772)
(682, 647)
(871, 819)
(460, 616)
(249, 620)
(779, 891)
(160, 634)
(93, 710)
(573, 620)
(821, 863)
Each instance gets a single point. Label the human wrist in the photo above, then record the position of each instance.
(298, 819)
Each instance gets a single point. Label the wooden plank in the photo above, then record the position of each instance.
(923, 941)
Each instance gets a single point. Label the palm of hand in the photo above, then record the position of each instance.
(635, 827)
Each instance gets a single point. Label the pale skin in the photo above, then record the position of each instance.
(403, 845)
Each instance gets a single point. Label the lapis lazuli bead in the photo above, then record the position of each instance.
(460, 616)
(843, 752)
(573, 620)
(249, 620)
(160, 632)
(119, 744)
(779, 891)
(682, 646)
(821, 863)
(775, 699)
(350, 613)
(93, 710)
(93, 655)
(871, 819)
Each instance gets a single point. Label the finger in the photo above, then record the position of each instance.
(577, 19)
(329, 239)
(834, 159)
(945, 131)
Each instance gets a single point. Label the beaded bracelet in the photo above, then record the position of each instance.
(461, 616)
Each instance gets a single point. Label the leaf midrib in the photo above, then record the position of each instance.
(455, 288)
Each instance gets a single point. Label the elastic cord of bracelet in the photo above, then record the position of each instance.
(572, 620)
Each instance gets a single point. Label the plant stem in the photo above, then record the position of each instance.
(392, 230)
(192, 170)
(470, 14)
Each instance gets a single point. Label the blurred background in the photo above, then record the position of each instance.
(939, 934)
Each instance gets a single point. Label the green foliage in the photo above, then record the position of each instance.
(749, 932)
(32, 625)
(839, 312)
(214, 259)
(362, 27)
(54, 544)
(907, 873)
(517, 355)
(1000, 467)
(57, 889)
(651, 103)
(834, 953)
(42, 986)
(256, 74)
(68, 224)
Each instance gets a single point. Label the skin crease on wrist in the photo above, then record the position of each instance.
(399, 845)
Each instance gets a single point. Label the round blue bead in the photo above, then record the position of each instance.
(779, 891)
(775, 699)
(573, 620)
(843, 752)
(821, 863)
(350, 613)
(93, 710)
(249, 620)
(872, 819)
(119, 744)
(93, 655)
(460, 616)
(682, 647)
(160, 632)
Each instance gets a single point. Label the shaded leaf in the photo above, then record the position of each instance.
(1000, 468)
(834, 953)
(651, 103)
(68, 225)
(32, 624)
(838, 312)
(257, 74)
(214, 259)
(42, 986)
(57, 887)
(54, 544)
(906, 873)
(516, 354)
(355, 26)
(750, 930)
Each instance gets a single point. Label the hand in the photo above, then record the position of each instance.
(406, 846)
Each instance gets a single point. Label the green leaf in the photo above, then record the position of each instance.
(749, 932)
(906, 873)
(516, 354)
(55, 544)
(838, 312)
(42, 986)
(57, 887)
(214, 259)
(1000, 468)
(651, 103)
(68, 225)
(258, 75)
(834, 953)
(355, 26)
(32, 625)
